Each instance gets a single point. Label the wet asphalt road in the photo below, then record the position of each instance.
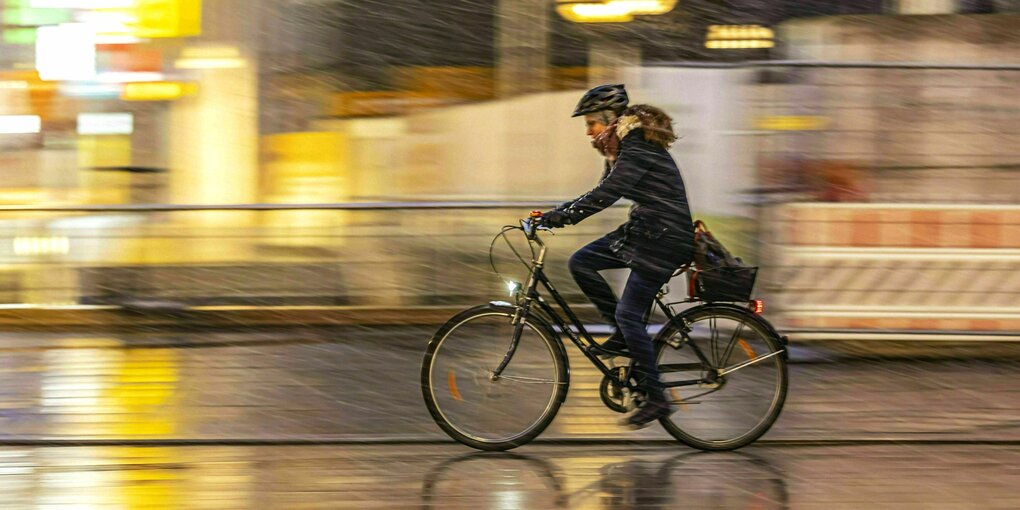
(93, 420)
(363, 384)
(900, 476)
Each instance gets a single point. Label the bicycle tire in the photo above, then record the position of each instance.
(765, 335)
(431, 380)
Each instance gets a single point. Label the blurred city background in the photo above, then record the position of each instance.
(864, 153)
(227, 220)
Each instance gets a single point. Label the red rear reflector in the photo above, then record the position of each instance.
(757, 306)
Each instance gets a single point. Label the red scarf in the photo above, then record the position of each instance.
(607, 143)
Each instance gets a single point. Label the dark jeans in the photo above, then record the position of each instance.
(629, 315)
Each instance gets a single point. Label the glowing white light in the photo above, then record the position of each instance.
(599, 10)
(82, 4)
(613, 10)
(647, 6)
(14, 85)
(90, 89)
(19, 124)
(42, 245)
(513, 287)
(66, 52)
(105, 123)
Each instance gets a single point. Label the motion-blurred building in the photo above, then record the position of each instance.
(274, 101)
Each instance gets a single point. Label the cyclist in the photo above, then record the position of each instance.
(657, 239)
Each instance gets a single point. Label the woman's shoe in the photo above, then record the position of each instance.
(656, 407)
(614, 346)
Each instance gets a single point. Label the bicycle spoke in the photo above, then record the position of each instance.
(687, 400)
(733, 406)
(749, 362)
(475, 405)
(731, 344)
(526, 380)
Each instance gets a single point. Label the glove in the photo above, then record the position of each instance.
(555, 219)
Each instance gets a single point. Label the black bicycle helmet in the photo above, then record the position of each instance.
(603, 97)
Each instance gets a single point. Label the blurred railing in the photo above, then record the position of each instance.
(382, 254)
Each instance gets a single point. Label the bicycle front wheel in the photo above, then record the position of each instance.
(482, 410)
(726, 376)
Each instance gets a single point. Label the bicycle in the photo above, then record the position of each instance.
(494, 376)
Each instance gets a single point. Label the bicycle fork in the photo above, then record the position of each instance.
(521, 313)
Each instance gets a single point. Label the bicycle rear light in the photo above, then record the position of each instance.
(757, 306)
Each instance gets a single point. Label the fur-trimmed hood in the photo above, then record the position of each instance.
(626, 124)
(657, 125)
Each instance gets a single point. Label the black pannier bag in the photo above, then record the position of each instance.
(718, 275)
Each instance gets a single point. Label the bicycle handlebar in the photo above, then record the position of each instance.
(531, 225)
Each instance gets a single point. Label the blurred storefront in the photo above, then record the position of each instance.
(892, 173)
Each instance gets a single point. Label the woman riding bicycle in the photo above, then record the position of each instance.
(657, 239)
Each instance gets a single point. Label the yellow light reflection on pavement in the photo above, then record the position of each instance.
(110, 393)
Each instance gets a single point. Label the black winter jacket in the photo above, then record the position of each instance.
(659, 236)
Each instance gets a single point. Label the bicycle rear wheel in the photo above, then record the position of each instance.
(747, 367)
(486, 413)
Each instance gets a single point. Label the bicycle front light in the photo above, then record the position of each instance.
(513, 287)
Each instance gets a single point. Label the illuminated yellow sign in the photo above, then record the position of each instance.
(611, 11)
(726, 37)
(168, 18)
(157, 91)
(792, 123)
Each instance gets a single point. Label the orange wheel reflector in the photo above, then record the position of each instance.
(451, 381)
(747, 349)
(677, 399)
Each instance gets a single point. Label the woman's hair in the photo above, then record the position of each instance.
(658, 126)
(606, 116)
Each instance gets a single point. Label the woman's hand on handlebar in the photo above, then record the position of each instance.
(554, 219)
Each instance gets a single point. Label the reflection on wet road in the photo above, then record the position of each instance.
(569, 477)
(249, 389)
(360, 383)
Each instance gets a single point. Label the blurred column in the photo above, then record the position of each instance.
(523, 45)
(213, 138)
(214, 133)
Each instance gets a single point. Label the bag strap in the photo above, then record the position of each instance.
(683, 269)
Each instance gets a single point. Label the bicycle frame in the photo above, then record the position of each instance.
(582, 339)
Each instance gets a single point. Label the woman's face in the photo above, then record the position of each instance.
(596, 123)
